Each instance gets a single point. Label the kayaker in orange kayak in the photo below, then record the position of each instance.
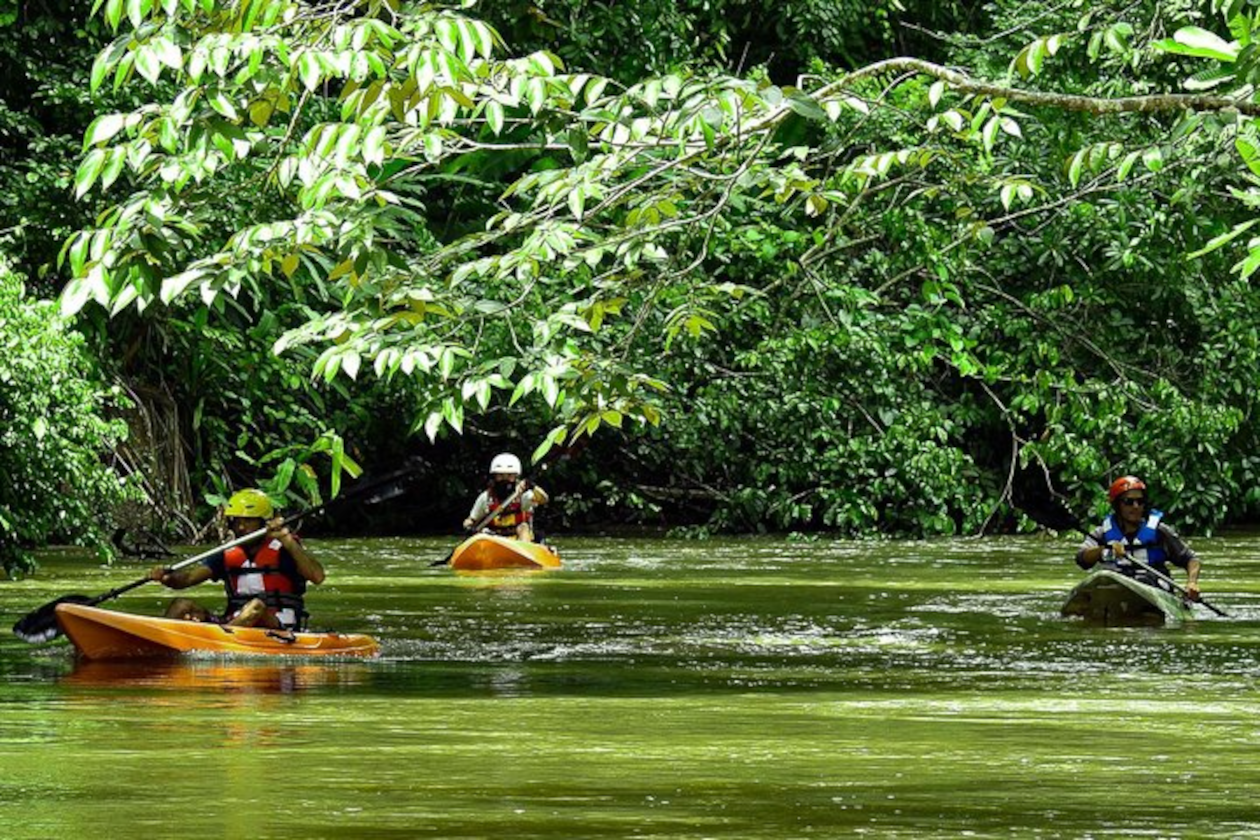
(1134, 529)
(511, 498)
(265, 580)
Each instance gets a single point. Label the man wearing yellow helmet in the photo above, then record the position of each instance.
(265, 579)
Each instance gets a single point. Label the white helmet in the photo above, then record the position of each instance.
(505, 463)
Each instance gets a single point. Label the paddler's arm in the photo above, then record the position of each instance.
(1192, 578)
(182, 578)
(1182, 555)
(307, 566)
(1094, 549)
(538, 495)
(479, 509)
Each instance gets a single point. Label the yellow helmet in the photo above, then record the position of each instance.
(249, 504)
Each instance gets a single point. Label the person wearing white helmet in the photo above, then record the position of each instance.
(510, 498)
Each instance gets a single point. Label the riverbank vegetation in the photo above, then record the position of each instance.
(892, 267)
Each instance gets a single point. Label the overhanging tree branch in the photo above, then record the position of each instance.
(1154, 103)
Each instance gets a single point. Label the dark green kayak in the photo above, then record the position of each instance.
(1107, 597)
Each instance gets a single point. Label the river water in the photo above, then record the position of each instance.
(745, 688)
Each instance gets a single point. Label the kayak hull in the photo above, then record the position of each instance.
(485, 552)
(105, 634)
(1108, 597)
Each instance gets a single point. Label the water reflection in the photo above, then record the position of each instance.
(216, 675)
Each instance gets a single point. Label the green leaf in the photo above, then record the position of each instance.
(1223, 239)
(113, 167)
(806, 106)
(74, 296)
(103, 129)
(1248, 267)
(433, 424)
(86, 174)
(1207, 79)
(1192, 40)
(989, 133)
(136, 11)
(555, 437)
(1074, 167)
(550, 389)
(173, 287)
(523, 388)
(494, 116)
(100, 69)
(374, 146)
(935, 93)
(309, 72)
(114, 13)
(350, 361)
(1250, 153)
(1126, 165)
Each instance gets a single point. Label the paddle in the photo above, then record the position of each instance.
(521, 487)
(1061, 520)
(40, 625)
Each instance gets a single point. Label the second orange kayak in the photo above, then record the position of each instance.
(483, 552)
(105, 634)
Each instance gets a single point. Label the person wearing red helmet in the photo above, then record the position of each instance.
(1133, 529)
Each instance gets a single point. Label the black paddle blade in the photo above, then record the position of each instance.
(389, 491)
(40, 625)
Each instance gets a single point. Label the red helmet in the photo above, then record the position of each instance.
(1123, 485)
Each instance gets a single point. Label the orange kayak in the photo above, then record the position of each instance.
(482, 552)
(105, 634)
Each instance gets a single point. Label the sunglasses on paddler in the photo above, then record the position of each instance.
(1131, 502)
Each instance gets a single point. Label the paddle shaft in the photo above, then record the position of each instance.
(190, 561)
(1166, 579)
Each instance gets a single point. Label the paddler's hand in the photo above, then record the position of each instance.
(159, 573)
(1192, 591)
(277, 530)
(1117, 549)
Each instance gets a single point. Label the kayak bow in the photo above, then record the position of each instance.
(484, 552)
(1108, 597)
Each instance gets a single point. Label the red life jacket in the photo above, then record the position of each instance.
(260, 576)
(507, 518)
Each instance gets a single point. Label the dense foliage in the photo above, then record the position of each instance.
(55, 431)
(46, 49)
(775, 278)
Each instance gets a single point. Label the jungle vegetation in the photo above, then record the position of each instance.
(889, 267)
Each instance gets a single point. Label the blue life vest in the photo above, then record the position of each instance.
(1147, 536)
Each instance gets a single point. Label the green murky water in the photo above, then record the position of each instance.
(734, 689)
